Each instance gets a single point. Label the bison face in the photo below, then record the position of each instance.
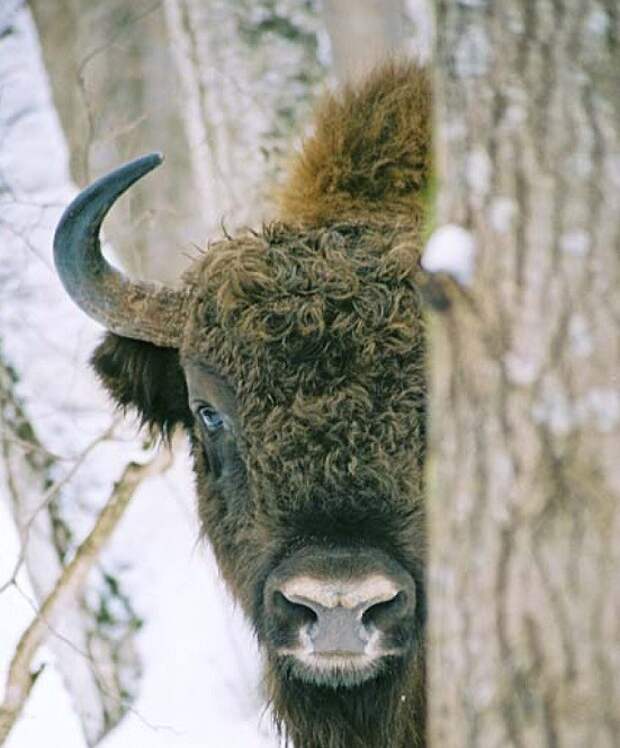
(303, 360)
(332, 608)
(294, 360)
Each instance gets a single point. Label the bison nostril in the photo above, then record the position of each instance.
(385, 611)
(294, 612)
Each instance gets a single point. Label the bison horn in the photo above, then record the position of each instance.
(139, 310)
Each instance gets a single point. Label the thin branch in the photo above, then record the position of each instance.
(48, 496)
(20, 679)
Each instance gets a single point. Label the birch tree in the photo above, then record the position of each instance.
(366, 33)
(525, 428)
(249, 73)
(116, 92)
(48, 473)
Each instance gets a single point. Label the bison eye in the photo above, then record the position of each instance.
(210, 418)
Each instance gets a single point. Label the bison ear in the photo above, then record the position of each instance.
(146, 377)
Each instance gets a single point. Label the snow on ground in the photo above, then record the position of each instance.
(201, 682)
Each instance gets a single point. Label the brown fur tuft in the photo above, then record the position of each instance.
(145, 377)
(369, 157)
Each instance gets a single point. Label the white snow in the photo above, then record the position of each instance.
(602, 406)
(451, 249)
(421, 44)
(579, 337)
(598, 21)
(599, 408)
(521, 368)
(473, 53)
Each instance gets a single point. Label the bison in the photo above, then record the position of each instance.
(294, 359)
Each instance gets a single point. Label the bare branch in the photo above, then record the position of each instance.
(49, 495)
(21, 679)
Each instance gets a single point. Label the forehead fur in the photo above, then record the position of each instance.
(324, 306)
(319, 333)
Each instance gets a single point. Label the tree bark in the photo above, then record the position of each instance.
(117, 95)
(249, 72)
(524, 468)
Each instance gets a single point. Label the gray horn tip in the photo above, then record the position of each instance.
(87, 277)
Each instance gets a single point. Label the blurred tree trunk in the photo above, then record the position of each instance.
(525, 444)
(249, 71)
(117, 95)
(219, 87)
(364, 33)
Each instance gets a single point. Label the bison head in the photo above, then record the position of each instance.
(294, 360)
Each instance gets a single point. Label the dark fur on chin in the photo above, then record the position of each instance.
(384, 712)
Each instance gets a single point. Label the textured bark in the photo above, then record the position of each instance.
(118, 96)
(249, 72)
(219, 87)
(524, 467)
(364, 33)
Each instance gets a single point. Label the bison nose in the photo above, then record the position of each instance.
(339, 617)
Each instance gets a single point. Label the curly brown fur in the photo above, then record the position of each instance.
(320, 334)
(315, 328)
(369, 156)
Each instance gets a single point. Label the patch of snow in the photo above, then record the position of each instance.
(522, 369)
(515, 115)
(579, 337)
(451, 249)
(454, 130)
(421, 44)
(597, 21)
(601, 405)
(553, 409)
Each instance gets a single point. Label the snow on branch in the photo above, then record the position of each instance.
(448, 262)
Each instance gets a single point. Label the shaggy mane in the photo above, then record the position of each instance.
(369, 157)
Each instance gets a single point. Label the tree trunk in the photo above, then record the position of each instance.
(249, 72)
(52, 471)
(365, 33)
(524, 473)
(118, 96)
